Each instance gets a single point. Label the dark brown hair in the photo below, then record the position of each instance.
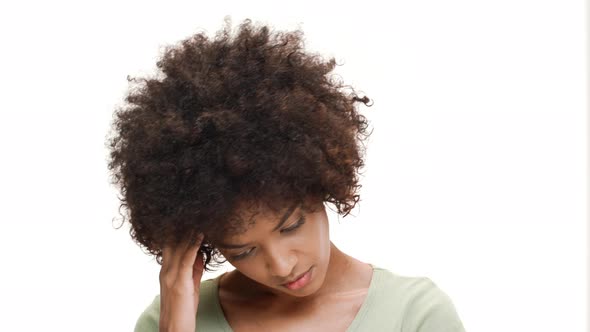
(233, 119)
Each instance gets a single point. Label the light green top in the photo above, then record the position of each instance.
(393, 303)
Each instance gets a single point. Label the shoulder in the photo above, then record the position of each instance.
(422, 306)
(149, 319)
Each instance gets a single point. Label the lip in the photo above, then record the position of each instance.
(293, 285)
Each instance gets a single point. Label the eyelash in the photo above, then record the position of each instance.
(286, 230)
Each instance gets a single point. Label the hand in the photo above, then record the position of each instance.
(180, 281)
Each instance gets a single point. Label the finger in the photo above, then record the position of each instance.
(190, 255)
(199, 263)
(166, 255)
(198, 271)
(188, 262)
(178, 254)
(171, 258)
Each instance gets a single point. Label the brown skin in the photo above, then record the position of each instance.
(180, 281)
(278, 256)
(332, 308)
(253, 297)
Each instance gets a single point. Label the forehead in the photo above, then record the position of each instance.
(247, 211)
(249, 217)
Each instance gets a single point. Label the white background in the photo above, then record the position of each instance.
(476, 170)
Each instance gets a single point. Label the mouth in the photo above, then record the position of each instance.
(300, 281)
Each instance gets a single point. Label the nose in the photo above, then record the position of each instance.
(280, 263)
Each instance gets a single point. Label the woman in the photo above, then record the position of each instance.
(233, 153)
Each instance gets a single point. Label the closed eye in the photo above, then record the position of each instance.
(294, 227)
(245, 254)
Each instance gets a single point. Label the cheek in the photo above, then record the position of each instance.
(254, 270)
(252, 267)
(318, 237)
(323, 239)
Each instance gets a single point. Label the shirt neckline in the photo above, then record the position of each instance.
(354, 325)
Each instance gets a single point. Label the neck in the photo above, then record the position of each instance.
(340, 265)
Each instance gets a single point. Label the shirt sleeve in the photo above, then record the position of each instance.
(149, 319)
(431, 310)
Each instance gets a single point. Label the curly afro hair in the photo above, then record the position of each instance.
(233, 119)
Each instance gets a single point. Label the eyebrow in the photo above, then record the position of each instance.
(284, 219)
